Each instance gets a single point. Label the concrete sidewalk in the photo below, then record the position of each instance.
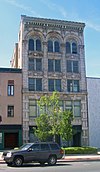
(70, 158)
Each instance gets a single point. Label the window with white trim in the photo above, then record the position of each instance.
(10, 88)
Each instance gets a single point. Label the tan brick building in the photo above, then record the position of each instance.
(10, 108)
(52, 57)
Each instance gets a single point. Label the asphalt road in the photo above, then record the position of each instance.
(92, 166)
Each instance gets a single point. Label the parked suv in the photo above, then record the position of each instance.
(41, 152)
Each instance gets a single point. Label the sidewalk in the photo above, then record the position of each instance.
(70, 158)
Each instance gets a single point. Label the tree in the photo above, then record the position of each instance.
(43, 127)
(66, 125)
(52, 120)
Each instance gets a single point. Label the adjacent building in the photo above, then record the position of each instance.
(10, 108)
(93, 88)
(52, 57)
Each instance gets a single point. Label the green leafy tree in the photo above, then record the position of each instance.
(66, 125)
(43, 129)
(52, 120)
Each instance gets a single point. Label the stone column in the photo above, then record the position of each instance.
(25, 89)
(63, 68)
(45, 67)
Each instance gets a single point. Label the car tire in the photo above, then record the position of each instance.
(52, 160)
(18, 161)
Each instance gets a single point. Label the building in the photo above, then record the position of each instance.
(52, 57)
(93, 88)
(10, 108)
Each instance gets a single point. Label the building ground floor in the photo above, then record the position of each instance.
(10, 136)
(77, 103)
(75, 141)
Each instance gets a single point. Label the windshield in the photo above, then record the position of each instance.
(25, 147)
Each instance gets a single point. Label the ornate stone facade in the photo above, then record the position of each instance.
(62, 32)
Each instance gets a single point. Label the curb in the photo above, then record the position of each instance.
(69, 160)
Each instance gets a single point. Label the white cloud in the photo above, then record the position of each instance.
(93, 26)
(22, 6)
(55, 7)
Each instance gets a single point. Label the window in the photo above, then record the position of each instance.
(54, 84)
(74, 106)
(31, 64)
(72, 66)
(32, 108)
(56, 46)
(61, 105)
(54, 146)
(68, 105)
(50, 46)
(35, 84)
(34, 45)
(35, 64)
(54, 65)
(38, 45)
(73, 85)
(71, 47)
(35, 147)
(45, 147)
(53, 46)
(31, 44)
(77, 108)
(38, 64)
(10, 87)
(68, 48)
(10, 111)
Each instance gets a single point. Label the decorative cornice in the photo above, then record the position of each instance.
(52, 24)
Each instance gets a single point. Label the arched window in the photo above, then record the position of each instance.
(71, 47)
(35, 44)
(38, 45)
(68, 48)
(56, 46)
(53, 46)
(31, 44)
(74, 48)
(50, 46)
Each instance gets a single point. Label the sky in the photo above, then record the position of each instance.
(87, 11)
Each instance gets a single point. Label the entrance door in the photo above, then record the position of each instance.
(10, 140)
(77, 139)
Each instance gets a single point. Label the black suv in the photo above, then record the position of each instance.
(41, 152)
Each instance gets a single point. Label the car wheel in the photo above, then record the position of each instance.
(52, 160)
(18, 161)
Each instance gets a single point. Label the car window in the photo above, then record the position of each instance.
(35, 147)
(45, 147)
(25, 147)
(54, 146)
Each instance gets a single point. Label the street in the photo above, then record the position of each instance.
(90, 166)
